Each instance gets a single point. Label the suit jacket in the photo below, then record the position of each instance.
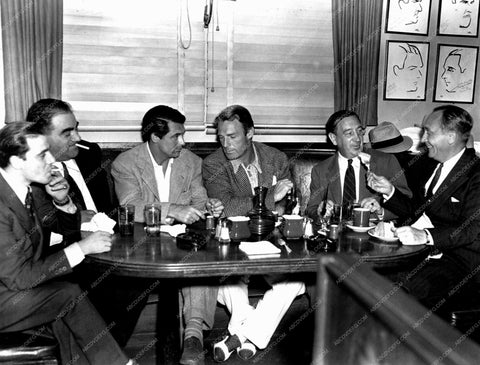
(95, 176)
(326, 184)
(22, 264)
(135, 182)
(454, 211)
(236, 193)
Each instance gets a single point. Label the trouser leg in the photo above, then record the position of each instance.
(82, 334)
(262, 322)
(199, 301)
(235, 298)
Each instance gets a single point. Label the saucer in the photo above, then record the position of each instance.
(360, 229)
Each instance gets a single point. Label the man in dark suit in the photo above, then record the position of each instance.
(444, 210)
(31, 293)
(328, 177)
(80, 162)
(82, 159)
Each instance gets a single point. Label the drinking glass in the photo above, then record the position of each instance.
(126, 219)
(152, 215)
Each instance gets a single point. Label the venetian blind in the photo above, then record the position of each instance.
(274, 57)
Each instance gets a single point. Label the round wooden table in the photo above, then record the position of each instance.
(159, 257)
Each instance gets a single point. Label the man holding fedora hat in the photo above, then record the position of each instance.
(385, 137)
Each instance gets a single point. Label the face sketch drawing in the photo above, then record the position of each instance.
(463, 12)
(453, 74)
(409, 70)
(410, 10)
(459, 17)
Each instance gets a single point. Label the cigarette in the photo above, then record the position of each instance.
(59, 188)
(55, 169)
(82, 146)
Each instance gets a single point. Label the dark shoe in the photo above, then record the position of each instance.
(224, 348)
(246, 351)
(193, 353)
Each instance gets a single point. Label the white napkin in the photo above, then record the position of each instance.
(99, 222)
(174, 230)
(259, 249)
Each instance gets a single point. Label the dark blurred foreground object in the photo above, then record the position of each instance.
(379, 322)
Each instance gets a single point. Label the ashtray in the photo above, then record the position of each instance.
(191, 241)
(320, 243)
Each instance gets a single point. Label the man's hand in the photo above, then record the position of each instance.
(371, 204)
(87, 215)
(379, 183)
(325, 207)
(97, 242)
(58, 187)
(215, 206)
(411, 236)
(281, 189)
(185, 213)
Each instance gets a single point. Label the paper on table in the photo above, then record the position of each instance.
(174, 230)
(99, 222)
(260, 248)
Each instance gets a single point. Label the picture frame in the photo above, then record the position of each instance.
(406, 70)
(455, 73)
(458, 18)
(411, 17)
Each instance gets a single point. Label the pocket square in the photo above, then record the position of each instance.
(454, 200)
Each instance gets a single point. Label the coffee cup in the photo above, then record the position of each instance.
(361, 217)
(126, 219)
(239, 228)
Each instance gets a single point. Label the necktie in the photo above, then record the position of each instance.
(75, 192)
(349, 186)
(434, 181)
(29, 204)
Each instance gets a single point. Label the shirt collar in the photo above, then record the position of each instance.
(343, 161)
(452, 161)
(155, 164)
(237, 163)
(18, 186)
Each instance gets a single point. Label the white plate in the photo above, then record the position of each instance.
(360, 229)
(371, 232)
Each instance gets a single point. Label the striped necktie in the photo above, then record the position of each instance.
(349, 186)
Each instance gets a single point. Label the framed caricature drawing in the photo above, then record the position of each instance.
(455, 75)
(406, 70)
(458, 18)
(408, 16)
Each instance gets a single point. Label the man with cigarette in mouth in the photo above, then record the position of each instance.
(81, 159)
(80, 163)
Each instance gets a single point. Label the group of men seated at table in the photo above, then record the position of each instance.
(39, 272)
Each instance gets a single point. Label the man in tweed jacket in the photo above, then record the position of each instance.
(230, 174)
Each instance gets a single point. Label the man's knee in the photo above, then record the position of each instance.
(65, 293)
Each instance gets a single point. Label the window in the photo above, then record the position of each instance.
(274, 57)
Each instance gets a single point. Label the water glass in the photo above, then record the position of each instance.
(126, 219)
(152, 215)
